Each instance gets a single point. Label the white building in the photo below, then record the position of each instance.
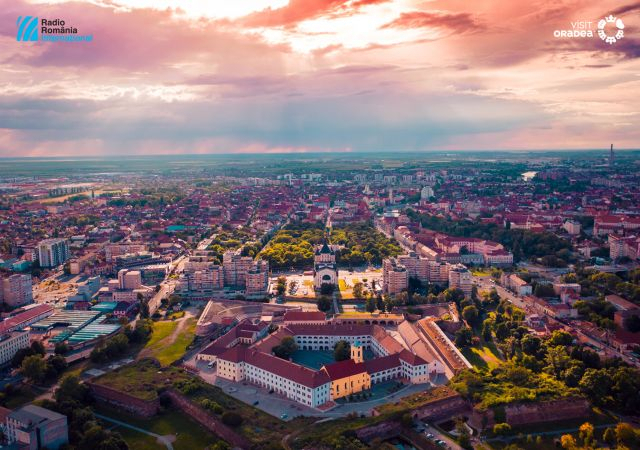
(325, 269)
(10, 343)
(460, 278)
(53, 252)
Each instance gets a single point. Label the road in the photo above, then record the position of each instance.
(161, 439)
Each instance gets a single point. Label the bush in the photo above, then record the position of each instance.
(501, 429)
(232, 419)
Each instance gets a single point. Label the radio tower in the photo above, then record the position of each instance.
(611, 156)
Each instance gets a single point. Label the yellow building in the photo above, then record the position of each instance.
(349, 376)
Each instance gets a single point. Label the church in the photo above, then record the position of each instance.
(325, 269)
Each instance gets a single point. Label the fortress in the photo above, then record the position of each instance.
(406, 353)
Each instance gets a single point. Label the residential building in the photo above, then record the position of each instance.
(395, 277)
(53, 252)
(10, 343)
(17, 290)
(460, 278)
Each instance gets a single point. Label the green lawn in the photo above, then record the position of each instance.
(189, 434)
(161, 330)
(173, 352)
(142, 379)
(135, 439)
(485, 357)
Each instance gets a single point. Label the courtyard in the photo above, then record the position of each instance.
(315, 359)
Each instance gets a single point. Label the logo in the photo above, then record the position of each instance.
(619, 29)
(27, 28)
(581, 29)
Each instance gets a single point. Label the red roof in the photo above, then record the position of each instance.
(382, 363)
(302, 316)
(287, 369)
(343, 369)
(333, 329)
(24, 318)
(411, 359)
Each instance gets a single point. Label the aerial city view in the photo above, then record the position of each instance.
(309, 224)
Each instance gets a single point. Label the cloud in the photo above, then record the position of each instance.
(300, 10)
(457, 22)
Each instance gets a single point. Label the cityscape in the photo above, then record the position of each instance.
(319, 225)
(429, 301)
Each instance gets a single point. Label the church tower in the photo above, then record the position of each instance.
(356, 352)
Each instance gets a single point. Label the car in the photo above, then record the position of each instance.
(283, 416)
(256, 402)
(430, 436)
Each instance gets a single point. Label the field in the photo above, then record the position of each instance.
(169, 340)
(187, 433)
(486, 356)
(143, 380)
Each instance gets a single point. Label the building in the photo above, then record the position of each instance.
(257, 280)
(292, 317)
(572, 227)
(624, 246)
(349, 376)
(10, 343)
(516, 284)
(325, 269)
(129, 279)
(53, 252)
(235, 268)
(17, 290)
(35, 428)
(251, 360)
(395, 277)
(460, 278)
(625, 310)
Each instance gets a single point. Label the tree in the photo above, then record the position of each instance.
(358, 289)
(486, 330)
(585, 433)
(281, 285)
(379, 303)
(70, 389)
(286, 348)
(62, 348)
(370, 305)
(324, 303)
(34, 368)
(464, 337)
(530, 344)
(625, 434)
(568, 442)
(559, 337)
(470, 314)
(596, 384)
(341, 351)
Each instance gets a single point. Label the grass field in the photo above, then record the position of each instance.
(142, 379)
(188, 433)
(485, 357)
(161, 330)
(174, 351)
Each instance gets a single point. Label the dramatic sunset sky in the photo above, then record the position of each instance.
(220, 76)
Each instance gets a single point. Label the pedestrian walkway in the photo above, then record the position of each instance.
(162, 439)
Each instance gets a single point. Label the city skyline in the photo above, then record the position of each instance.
(276, 76)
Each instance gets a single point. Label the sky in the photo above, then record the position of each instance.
(258, 76)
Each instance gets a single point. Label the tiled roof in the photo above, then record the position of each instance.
(343, 369)
(299, 316)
